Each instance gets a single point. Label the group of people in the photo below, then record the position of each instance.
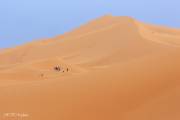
(58, 68)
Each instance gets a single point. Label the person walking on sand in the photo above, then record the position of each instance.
(57, 68)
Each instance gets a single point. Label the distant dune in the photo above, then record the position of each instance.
(112, 68)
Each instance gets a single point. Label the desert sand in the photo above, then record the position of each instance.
(112, 68)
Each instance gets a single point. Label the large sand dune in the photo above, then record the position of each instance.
(113, 68)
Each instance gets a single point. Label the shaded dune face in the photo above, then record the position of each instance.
(112, 68)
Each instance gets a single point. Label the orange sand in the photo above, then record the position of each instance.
(113, 68)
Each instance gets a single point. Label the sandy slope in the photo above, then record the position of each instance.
(113, 68)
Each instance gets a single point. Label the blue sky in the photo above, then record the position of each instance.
(24, 20)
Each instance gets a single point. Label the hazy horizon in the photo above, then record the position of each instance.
(23, 21)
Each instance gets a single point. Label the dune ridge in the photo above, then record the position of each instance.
(109, 69)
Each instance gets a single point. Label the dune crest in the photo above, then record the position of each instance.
(109, 69)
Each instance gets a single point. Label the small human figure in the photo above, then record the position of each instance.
(42, 75)
(57, 68)
(67, 69)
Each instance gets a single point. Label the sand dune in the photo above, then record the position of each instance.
(112, 68)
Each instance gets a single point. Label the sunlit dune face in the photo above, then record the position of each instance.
(113, 68)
